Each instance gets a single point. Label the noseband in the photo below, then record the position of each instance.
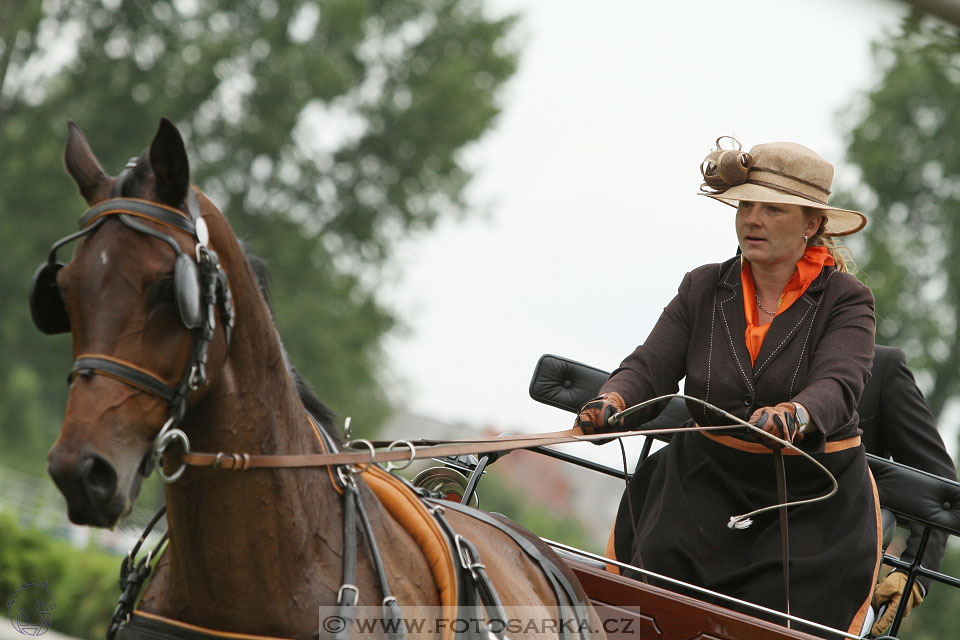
(200, 285)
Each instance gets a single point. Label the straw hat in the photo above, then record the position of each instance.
(778, 172)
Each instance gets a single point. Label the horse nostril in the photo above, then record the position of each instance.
(99, 478)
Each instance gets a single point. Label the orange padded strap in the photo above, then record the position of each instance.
(406, 508)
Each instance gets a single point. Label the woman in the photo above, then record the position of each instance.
(782, 337)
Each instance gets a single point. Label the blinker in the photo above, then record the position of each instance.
(187, 284)
(46, 305)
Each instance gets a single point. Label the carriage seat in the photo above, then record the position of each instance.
(910, 494)
(906, 494)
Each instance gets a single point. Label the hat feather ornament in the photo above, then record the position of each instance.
(725, 168)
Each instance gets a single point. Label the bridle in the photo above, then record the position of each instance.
(200, 286)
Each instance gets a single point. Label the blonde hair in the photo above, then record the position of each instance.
(841, 254)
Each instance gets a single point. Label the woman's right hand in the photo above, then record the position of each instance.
(594, 416)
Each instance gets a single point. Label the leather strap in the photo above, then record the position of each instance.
(167, 216)
(563, 589)
(150, 626)
(477, 446)
(349, 594)
(784, 526)
(473, 584)
(131, 374)
(391, 610)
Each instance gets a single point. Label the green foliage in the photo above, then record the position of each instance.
(83, 582)
(904, 139)
(326, 130)
(554, 524)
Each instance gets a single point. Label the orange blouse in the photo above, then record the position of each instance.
(808, 268)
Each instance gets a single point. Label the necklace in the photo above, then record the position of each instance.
(769, 313)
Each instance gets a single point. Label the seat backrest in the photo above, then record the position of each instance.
(564, 383)
(916, 495)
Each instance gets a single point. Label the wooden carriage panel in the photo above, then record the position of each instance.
(658, 614)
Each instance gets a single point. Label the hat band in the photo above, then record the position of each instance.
(786, 190)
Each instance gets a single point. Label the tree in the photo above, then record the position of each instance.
(905, 139)
(326, 130)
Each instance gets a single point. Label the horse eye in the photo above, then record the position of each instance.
(161, 291)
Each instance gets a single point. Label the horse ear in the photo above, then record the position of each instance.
(168, 159)
(81, 164)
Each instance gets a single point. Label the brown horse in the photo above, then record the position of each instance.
(255, 552)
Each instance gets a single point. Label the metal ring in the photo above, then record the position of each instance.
(352, 468)
(413, 454)
(160, 447)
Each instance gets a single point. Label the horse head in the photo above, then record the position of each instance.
(140, 299)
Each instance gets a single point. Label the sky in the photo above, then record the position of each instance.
(587, 213)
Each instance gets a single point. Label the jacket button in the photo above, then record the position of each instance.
(747, 401)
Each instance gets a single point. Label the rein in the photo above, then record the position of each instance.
(405, 452)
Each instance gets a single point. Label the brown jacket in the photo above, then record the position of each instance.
(818, 352)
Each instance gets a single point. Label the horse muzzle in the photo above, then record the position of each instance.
(89, 482)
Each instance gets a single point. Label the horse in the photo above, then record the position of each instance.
(173, 339)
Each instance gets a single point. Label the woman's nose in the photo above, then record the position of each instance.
(750, 213)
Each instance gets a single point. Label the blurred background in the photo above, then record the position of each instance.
(445, 190)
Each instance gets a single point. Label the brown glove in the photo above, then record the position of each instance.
(780, 421)
(889, 592)
(594, 415)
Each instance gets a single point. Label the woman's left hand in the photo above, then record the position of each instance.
(780, 421)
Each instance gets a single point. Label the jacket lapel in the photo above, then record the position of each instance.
(729, 309)
(788, 324)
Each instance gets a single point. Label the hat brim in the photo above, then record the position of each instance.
(840, 222)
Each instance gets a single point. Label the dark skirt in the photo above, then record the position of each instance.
(683, 496)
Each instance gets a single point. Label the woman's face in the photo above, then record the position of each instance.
(772, 234)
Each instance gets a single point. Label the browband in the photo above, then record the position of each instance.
(142, 209)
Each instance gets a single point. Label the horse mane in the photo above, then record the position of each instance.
(311, 402)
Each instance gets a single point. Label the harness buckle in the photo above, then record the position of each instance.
(356, 595)
(346, 476)
(465, 553)
(196, 377)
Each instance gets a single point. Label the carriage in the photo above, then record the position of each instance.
(178, 367)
